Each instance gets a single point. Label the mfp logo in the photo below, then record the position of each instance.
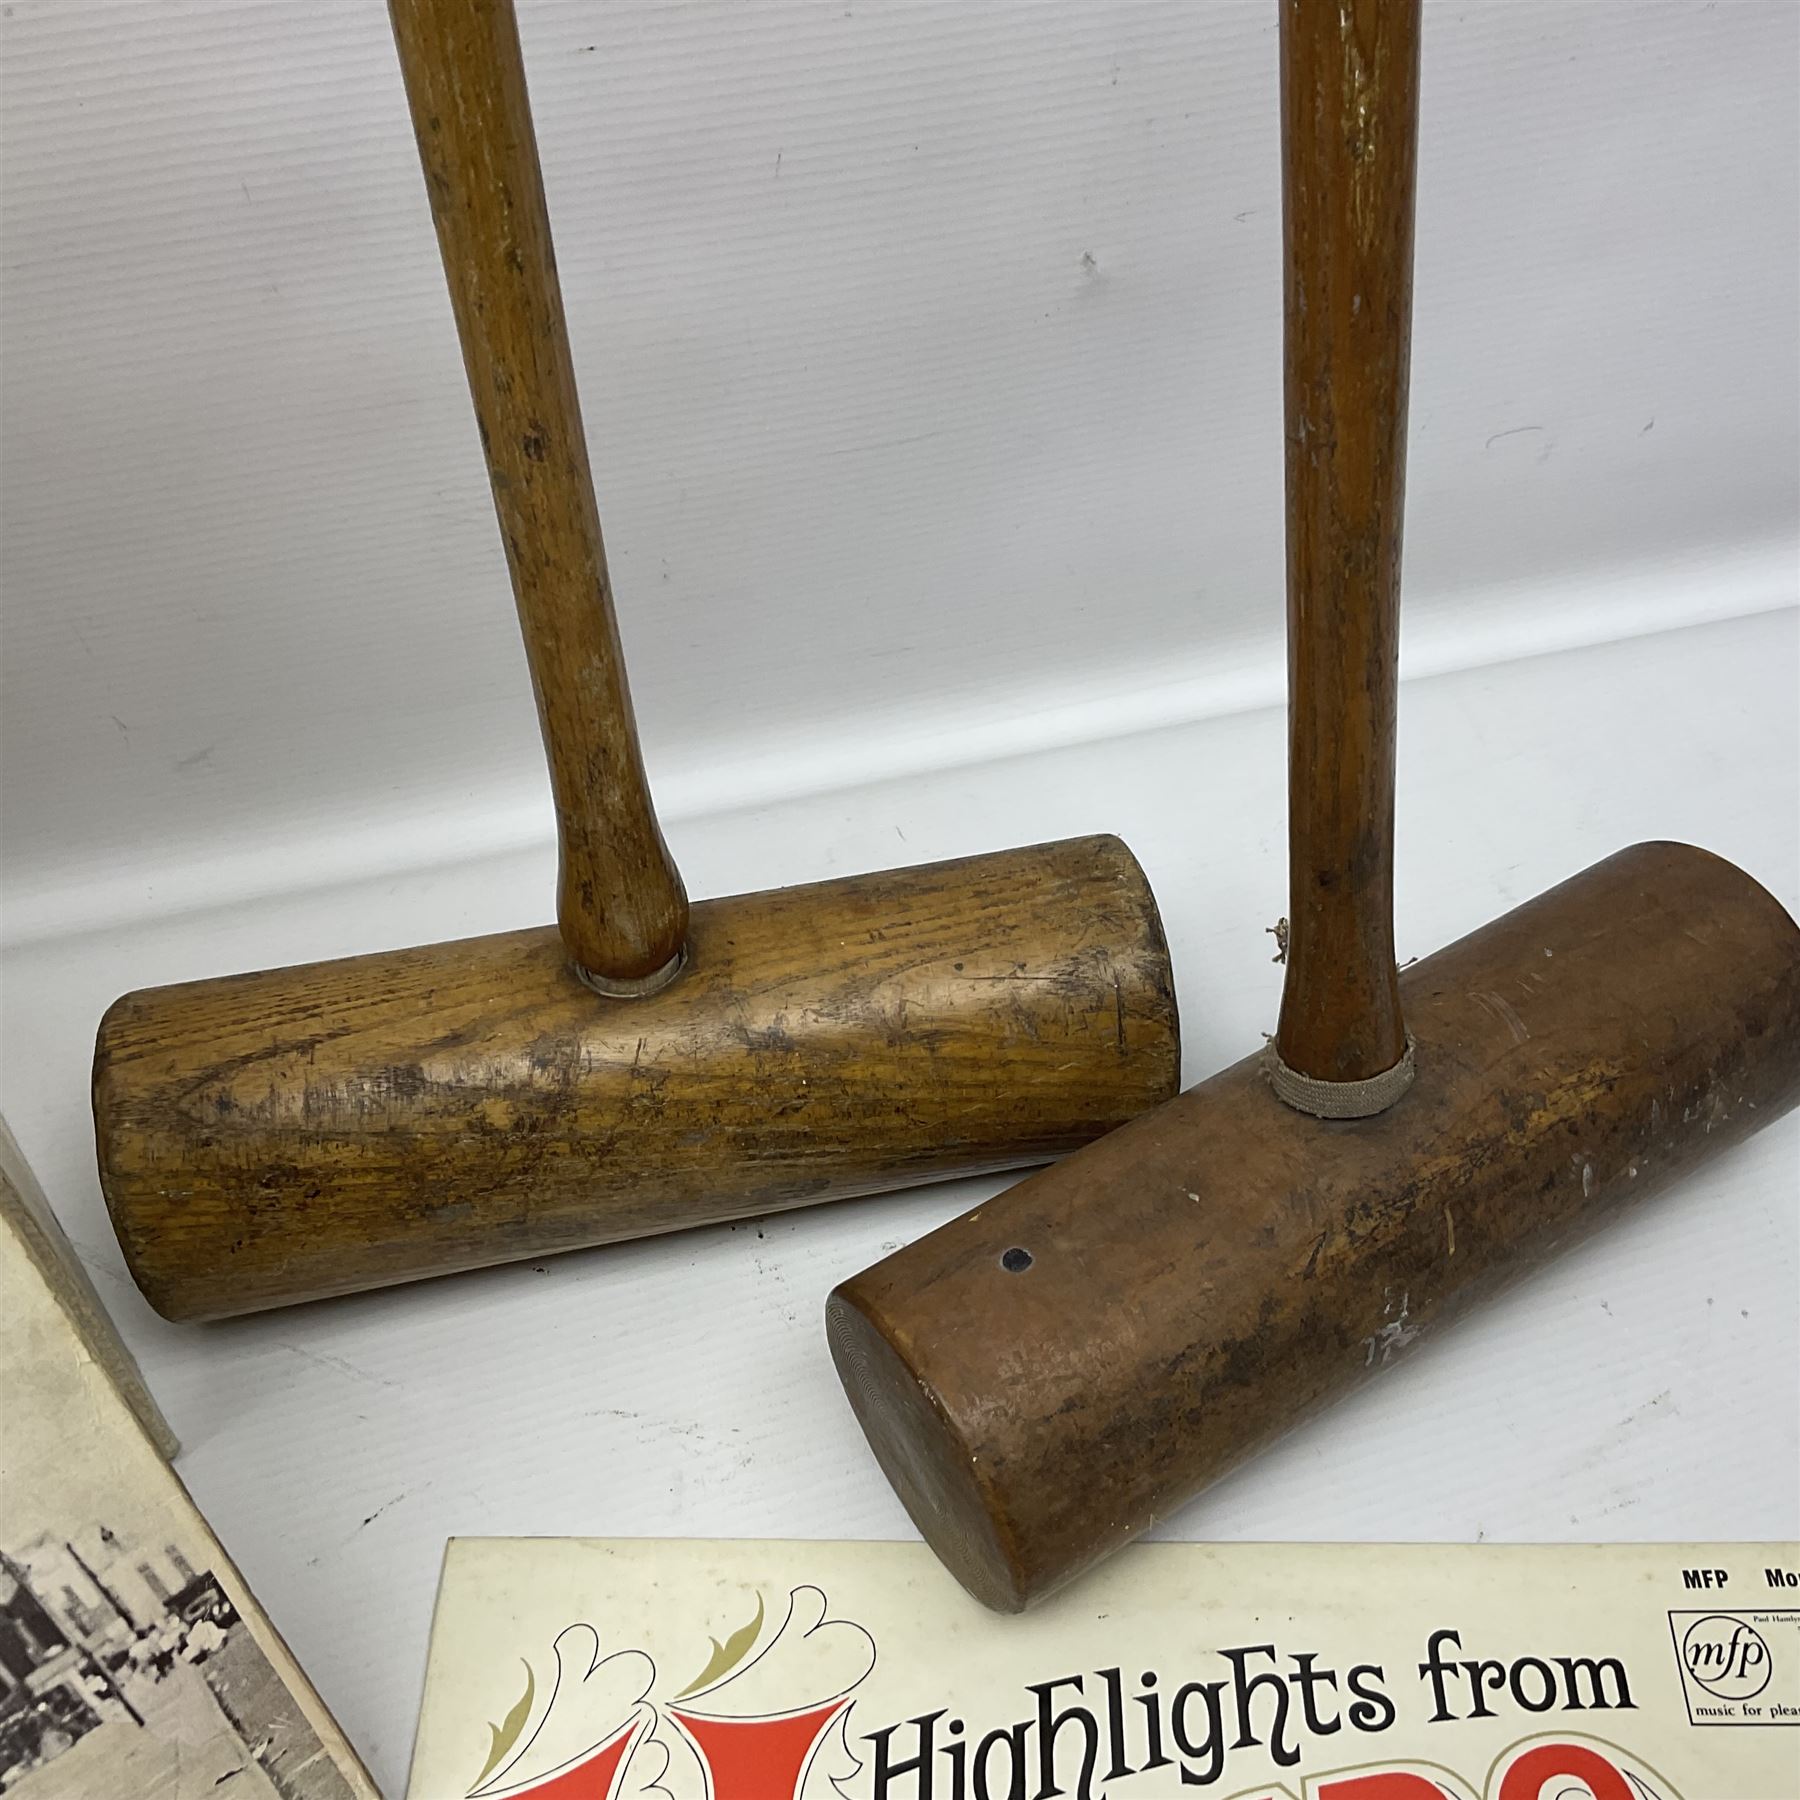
(1740, 1667)
(1727, 1656)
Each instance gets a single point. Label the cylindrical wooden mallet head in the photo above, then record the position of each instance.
(1046, 1377)
(280, 1136)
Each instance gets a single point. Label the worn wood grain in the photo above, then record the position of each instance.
(294, 1133)
(1048, 1376)
(1349, 125)
(620, 903)
(1045, 1378)
(299, 1132)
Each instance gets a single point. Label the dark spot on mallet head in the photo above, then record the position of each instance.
(1015, 1261)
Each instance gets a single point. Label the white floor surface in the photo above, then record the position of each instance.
(1648, 1387)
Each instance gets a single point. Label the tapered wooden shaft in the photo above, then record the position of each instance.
(1053, 1373)
(1349, 111)
(620, 902)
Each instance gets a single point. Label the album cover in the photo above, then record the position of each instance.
(622, 1670)
(134, 1663)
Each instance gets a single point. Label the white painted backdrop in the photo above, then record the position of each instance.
(931, 362)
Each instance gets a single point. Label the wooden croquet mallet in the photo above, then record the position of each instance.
(1046, 1377)
(279, 1136)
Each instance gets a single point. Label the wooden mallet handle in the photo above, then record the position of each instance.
(620, 902)
(1055, 1372)
(1349, 116)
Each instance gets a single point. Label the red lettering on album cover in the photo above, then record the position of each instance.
(1390, 1785)
(591, 1779)
(757, 1759)
(1529, 1772)
(1525, 1779)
